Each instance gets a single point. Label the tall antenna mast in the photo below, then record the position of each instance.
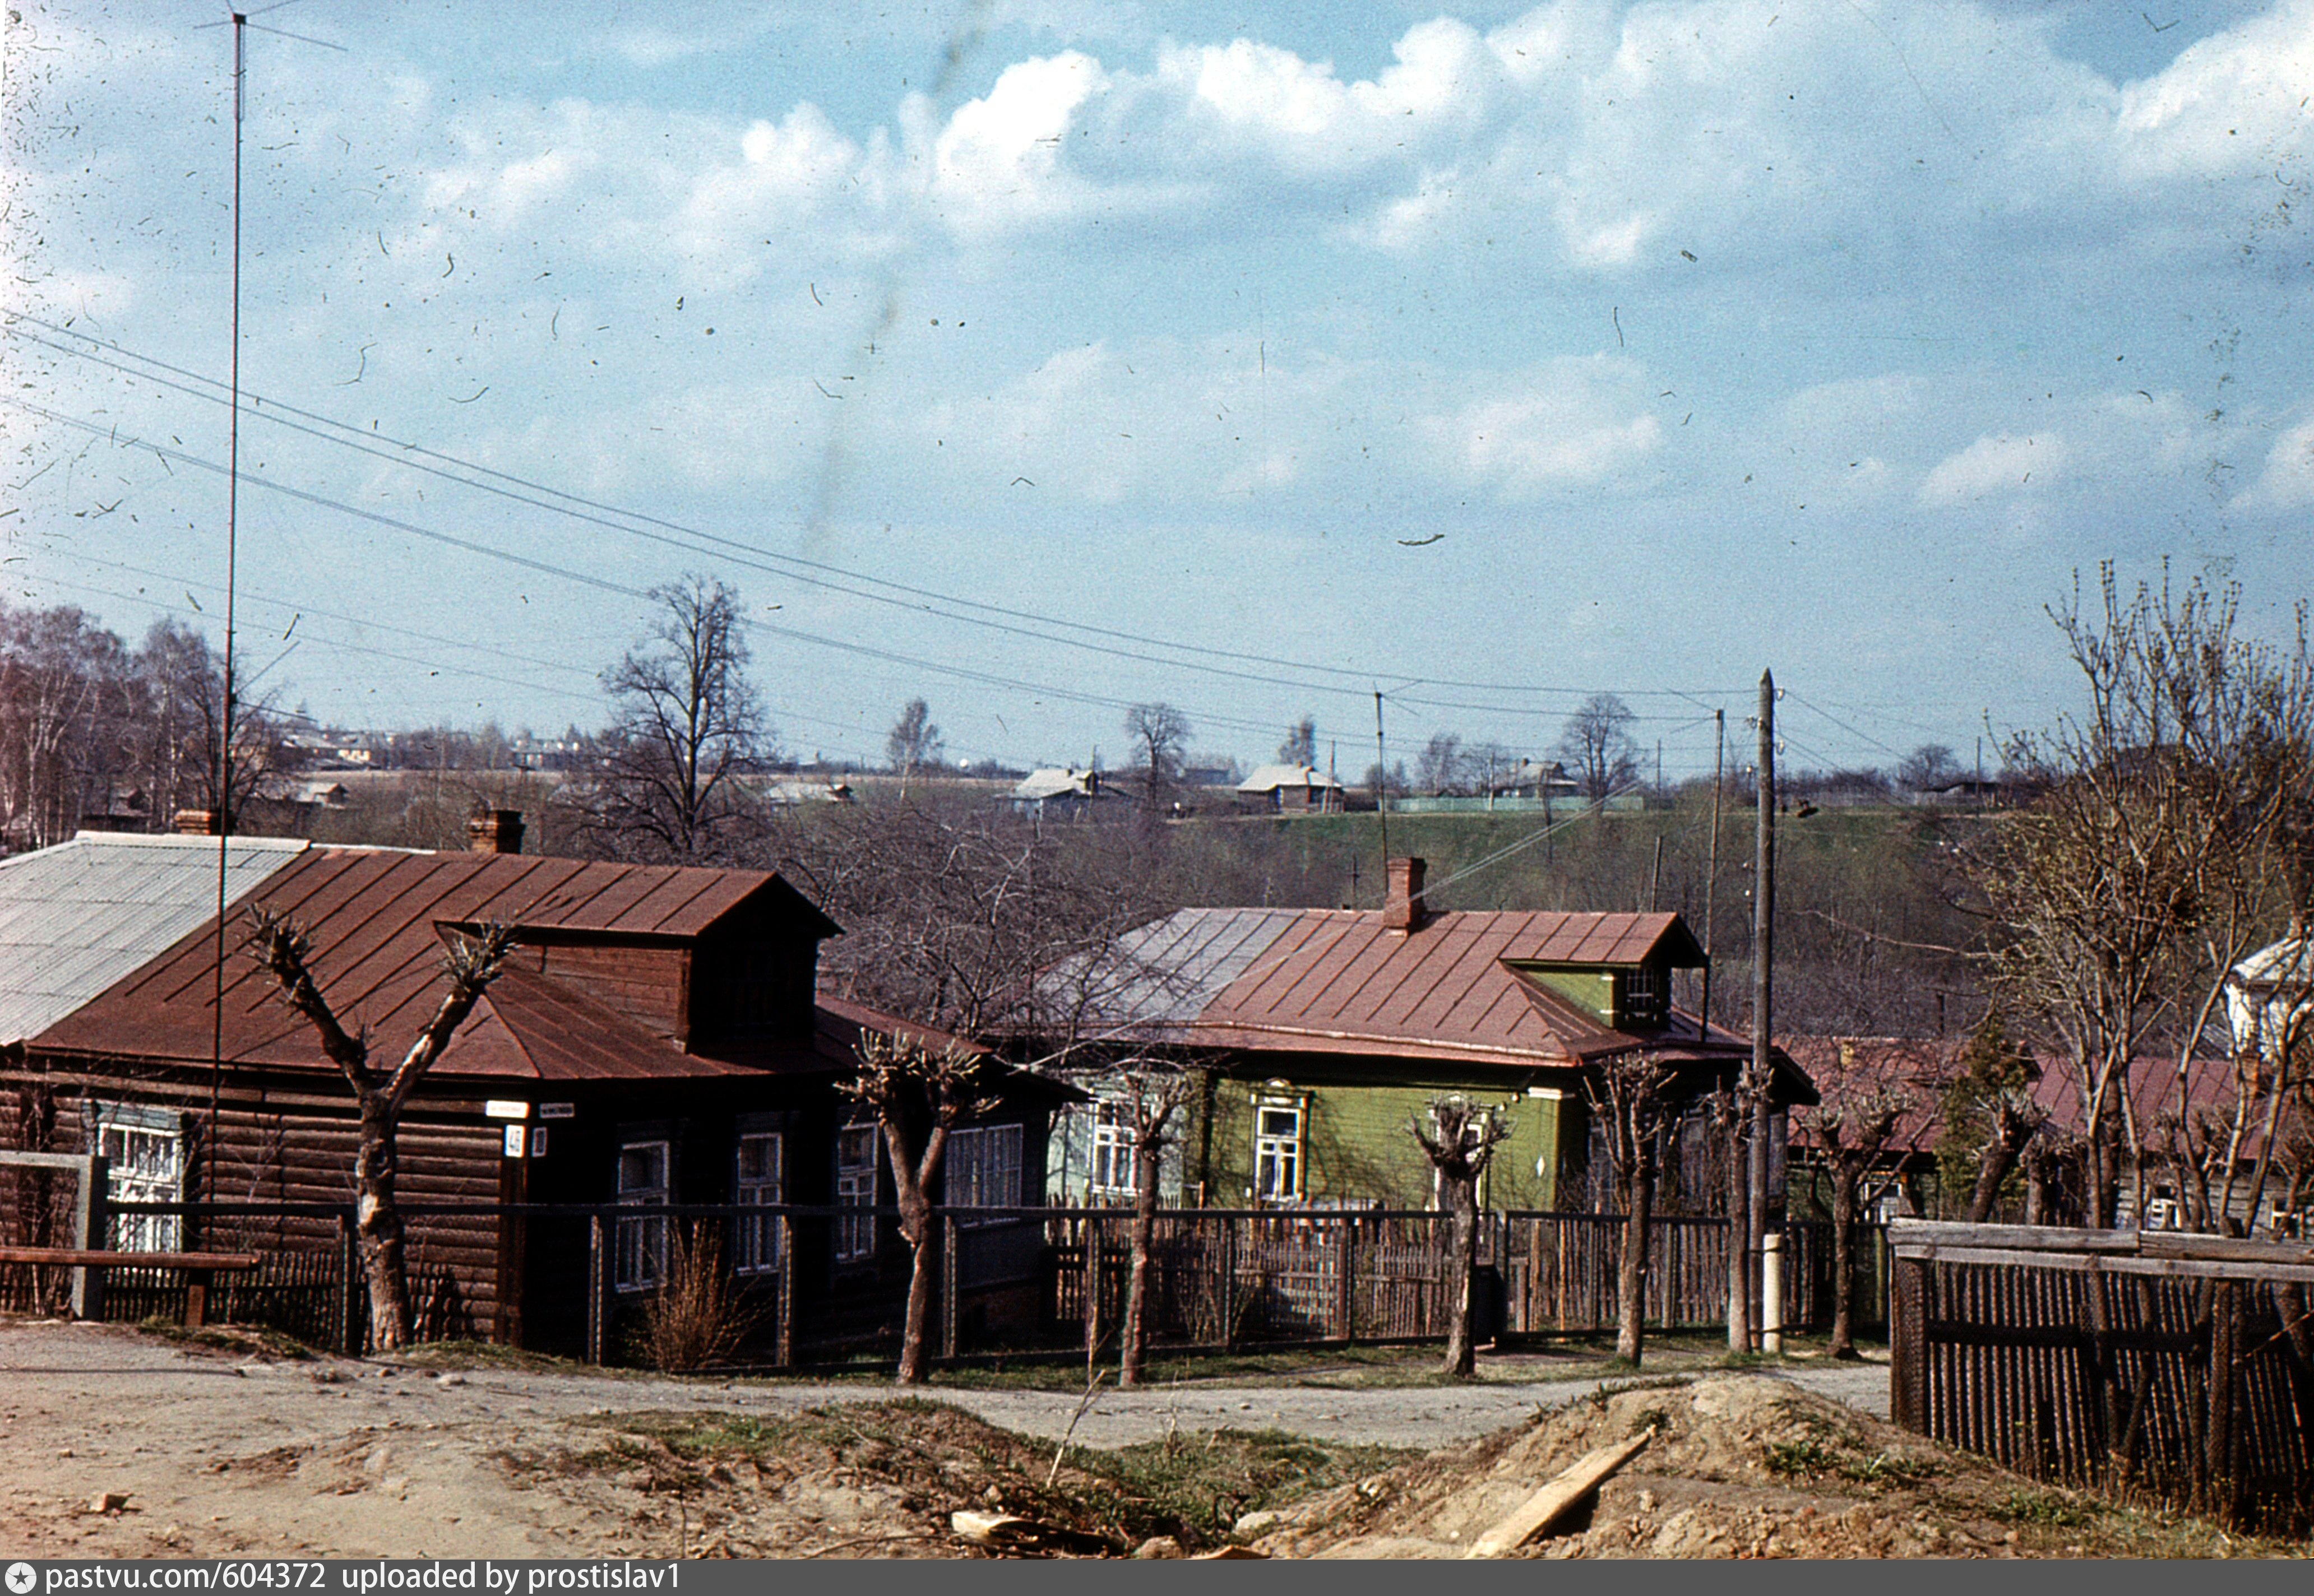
(221, 817)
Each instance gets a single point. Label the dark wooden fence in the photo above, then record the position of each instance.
(2177, 1367)
(1218, 1278)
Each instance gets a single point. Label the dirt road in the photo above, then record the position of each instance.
(216, 1453)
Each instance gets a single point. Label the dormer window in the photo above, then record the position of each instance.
(1646, 998)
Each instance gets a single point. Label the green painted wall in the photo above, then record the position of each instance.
(1592, 990)
(1357, 1144)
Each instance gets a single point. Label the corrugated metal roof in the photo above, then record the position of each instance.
(83, 914)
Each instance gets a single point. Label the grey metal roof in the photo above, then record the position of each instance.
(1167, 971)
(78, 917)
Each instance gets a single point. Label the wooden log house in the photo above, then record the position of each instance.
(656, 1038)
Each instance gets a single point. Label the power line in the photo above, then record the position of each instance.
(402, 452)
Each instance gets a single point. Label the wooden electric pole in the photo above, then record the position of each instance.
(1382, 791)
(1763, 955)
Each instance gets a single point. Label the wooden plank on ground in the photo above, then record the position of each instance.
(1547, 1507)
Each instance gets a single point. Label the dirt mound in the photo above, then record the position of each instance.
(882, 1479)
(1739, 1466)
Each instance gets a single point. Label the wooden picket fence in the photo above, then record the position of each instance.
(2174, 1367)
(1226, 1277)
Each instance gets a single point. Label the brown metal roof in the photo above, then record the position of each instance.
(1451, 988)
(374, 915)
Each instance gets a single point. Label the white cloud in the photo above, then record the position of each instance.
(1575, 421)
(1995, 465)
(999, 159)
(2287, 483)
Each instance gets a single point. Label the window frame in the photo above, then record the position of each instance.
(851, 1240)
(1267, 1145)
(977, 1151)
(639, 1254)
(126, 1182)
(1112, 1135)
(755, 1242)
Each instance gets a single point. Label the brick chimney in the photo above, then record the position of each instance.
(1402, 908)
(495, 831)
(196, 823)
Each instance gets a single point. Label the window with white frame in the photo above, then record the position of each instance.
(757, 1181)
(855, 1187)
(144, 1151)
(1646, 1003)
(1278, 1151)
(644, 1168)
(1116, 1163)
(983, 1170)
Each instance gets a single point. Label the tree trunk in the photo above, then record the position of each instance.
(1993, 1167)
(1137, 1291)
(378, 1221)
(917, 1230)
(1844, 1178)
(1631, 1293)
(2105, 1178)
(2036, 1191)
(1462, 1354)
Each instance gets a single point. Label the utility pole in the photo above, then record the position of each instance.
(1764, 950)
(1711, 870)
(1382, 789)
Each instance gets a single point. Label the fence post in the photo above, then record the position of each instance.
(1092, 1289)
(92, 1231)
(1225, 1292)
(786, 1234)
(948, 1284)
(598, 1292)
(1906, 1344)
(350, 1339)
(1344, 1296)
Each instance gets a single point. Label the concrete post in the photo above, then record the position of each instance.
(1771, 1293)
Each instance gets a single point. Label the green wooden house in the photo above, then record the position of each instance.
(1320, 1036)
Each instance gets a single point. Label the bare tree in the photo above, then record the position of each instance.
(470, 962)
(687, 725)
(1989, 1110)
(1301, 744)
(1153, 1095)
(1160, 732)
(1598, 747)
(918, 1095)
(2128, 891)
(914, 741)
(1630, 1097)
(1926, 768)
(1440, 769)
(1460, 1142)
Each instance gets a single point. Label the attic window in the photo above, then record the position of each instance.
(1646, 1003)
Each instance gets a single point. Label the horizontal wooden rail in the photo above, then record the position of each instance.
(68, 1257)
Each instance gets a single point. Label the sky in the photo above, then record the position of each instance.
(1042, 359)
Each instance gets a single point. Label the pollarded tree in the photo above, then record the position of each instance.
(1851, 1128)
(1152, 1093)
(1460, 1142)
(918, 1095)
(1630, 1097)
(469, 963)
(665, 782)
